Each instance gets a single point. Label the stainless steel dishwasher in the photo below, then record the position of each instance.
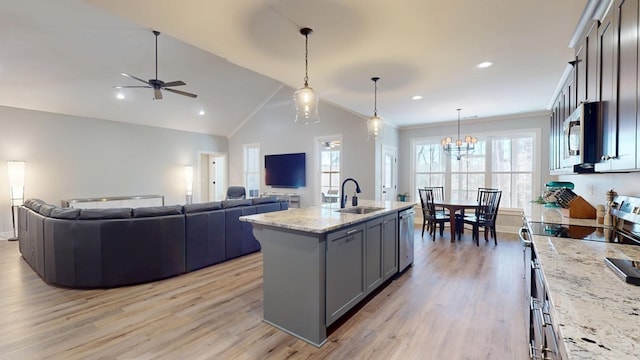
(405, 239)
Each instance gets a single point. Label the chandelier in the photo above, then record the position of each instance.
(375, 125)
(306, 99)
(459, 148)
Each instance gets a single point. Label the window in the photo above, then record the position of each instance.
(512, 169)
(429, 166)
(504, 161)
(252, 169)
(330, 152)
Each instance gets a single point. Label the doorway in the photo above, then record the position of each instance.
(389, 173)
(212, 176)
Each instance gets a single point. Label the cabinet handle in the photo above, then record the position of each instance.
(525, 242)
(352, 231)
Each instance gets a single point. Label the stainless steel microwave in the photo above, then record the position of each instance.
(580, 142)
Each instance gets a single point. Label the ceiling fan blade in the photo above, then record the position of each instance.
(133, 77)
(174, 83)
(157, 94)
(132, 87)
(182, 93)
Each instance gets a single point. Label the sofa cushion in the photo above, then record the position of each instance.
(65, 213)
(29, 202)
(34, 204)
(45, 209)
(157, 211)
(112, 213)
(264, 200)
(208, 206)
(235, 203)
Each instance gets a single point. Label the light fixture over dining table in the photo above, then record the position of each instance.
(459, 148)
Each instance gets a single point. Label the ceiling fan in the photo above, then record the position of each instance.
(156, 84)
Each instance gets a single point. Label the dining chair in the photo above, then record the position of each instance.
(438, 195)
(430, 216)
(485, 215)
(483, 188)
(460, 216)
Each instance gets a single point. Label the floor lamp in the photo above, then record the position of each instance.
(188, 184)
(16, 185)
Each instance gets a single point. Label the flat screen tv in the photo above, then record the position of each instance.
(285, 170)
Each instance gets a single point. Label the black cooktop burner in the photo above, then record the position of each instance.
(590, 233)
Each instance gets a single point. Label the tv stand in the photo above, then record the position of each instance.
(292, 199)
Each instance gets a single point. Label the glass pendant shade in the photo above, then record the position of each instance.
(375, 128)
(375, 125)
(306, 101)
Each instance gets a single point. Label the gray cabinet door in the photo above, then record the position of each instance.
(373, 251)
(389, 246)
(344, 267)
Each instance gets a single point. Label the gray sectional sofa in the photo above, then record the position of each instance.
(101, 248)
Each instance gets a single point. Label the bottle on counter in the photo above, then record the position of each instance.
(600, 211)
(608, 218)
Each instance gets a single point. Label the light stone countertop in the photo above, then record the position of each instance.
(596, 313)
(323, 218)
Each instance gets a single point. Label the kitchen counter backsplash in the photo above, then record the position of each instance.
(539, 213)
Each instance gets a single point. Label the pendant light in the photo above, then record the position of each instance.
(375, 125)
(306, 99)
(459, 148)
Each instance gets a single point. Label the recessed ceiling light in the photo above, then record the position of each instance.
(417, 97)
(484, 64)
(201, 112)
(120, 96)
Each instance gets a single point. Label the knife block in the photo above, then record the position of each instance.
(579, 208)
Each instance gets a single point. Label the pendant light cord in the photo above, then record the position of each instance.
(375, 95)
(458, 124)
(306, 60)
(375, 98)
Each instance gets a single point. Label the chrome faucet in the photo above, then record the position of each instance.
(343, 196)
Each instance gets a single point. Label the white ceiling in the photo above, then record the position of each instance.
(64, 56)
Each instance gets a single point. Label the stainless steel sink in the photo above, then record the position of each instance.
(360, 209)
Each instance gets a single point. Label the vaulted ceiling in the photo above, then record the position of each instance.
(65, 56)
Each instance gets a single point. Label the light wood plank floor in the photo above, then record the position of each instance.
(458, 301)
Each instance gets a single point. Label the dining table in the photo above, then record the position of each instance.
(454, 206)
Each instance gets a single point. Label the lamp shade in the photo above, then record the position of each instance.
(375, 128)
(188, 180)
(306, 101)
(16, 181)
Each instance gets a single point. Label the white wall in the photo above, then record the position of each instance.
(76, 157)
(538, 122)
(274, 128)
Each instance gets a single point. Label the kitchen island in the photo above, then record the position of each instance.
(319, 262)
(595, 314)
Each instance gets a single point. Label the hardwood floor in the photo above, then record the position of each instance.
(458, 301)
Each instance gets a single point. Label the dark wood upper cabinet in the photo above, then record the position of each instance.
(627, 20)
(619, 86)
(607, 82)
(591, 66)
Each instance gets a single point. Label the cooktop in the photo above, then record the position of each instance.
(580, 232)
